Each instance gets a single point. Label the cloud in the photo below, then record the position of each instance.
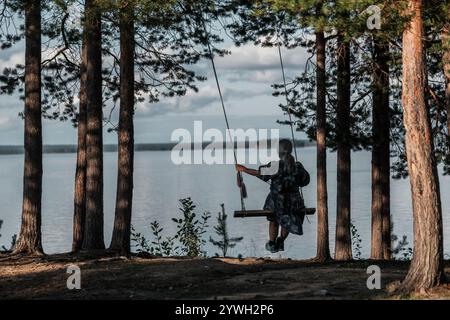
(263, 76)
(250, 63)
(4, 121)
(250, 57)
(245, 74)
(12, 60)
(9, 122)
(193, 101)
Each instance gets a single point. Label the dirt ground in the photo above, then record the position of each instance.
(203, 278)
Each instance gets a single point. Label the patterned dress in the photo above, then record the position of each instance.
(284, 198)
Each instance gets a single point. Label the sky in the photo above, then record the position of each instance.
(245, 75)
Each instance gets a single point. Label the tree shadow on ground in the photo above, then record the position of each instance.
(112, 277)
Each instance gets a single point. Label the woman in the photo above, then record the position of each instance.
(284, 199)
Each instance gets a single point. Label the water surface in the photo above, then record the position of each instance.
(159, 184)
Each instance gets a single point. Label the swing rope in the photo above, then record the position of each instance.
(289, 113)
(287, 102)
(243, 193)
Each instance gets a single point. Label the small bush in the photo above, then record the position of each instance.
(400, 248)
(221, 229)
(162, 247)
(139, 242)
(190, 229)
(13, 240)
(356, 241)
(187, 241)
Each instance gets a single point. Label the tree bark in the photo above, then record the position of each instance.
(30, 238)
(381, 229)
(446, 63)
(323, 243)
(426, 269)
(93, 235)
(122, 223)
(79, 216)
(343, 247)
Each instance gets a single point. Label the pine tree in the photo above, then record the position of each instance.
(426, 268)
(161, 25)
(93, 234)
(446, 63)
(323, 243)
(79, 216)
(380, 242)
(221, 229)
(122, 224)
(343, 249)
(30, 237)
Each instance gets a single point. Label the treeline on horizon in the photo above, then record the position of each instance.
(67, 148)
(377, 78)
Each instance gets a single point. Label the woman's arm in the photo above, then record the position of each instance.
(249, 171)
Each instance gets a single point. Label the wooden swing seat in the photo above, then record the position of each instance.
(264, 213)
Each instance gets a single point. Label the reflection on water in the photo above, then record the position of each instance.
(159, 184)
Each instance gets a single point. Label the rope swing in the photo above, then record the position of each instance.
(240, 178)
(288, 109)
(287, 102)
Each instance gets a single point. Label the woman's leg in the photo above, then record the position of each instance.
(273, 230)
(284, 234)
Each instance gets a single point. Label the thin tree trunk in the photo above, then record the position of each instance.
(426, 269)
(343, 248)
(323, 243)
(381, 229)
(93, 235)
(30, 238)
(122, 224)
(79, 216)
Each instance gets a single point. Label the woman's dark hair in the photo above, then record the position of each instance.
(285, 153)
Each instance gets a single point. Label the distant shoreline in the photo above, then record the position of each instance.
(15, 149)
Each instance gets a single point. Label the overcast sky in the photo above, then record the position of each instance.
(246, 76)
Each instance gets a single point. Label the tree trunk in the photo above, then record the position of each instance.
(381, 229)
(446, 63)
(122, 224)
(79, 216)
(426, 269)
(30, 238)
(323, 243)
(343, 248)
(93, 235)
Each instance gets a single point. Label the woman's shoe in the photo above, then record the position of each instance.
(279, 244)
(271, 246)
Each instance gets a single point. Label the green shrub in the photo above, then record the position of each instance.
(190, 229)
(188, 240)
(139, 242)
(162, 247)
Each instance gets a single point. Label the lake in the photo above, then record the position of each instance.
(159, 184)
